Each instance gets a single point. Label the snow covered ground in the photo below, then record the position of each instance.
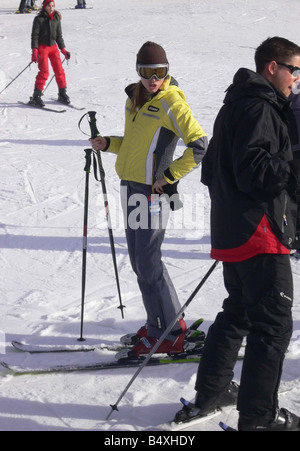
(41, 210)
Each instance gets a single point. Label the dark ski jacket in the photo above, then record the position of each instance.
(46, 31)
(247, 168)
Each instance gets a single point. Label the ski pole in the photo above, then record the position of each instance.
(16, 77)
(114, 407)
(87, 169)
(94, 133)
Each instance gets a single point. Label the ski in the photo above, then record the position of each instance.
(98, 366)
(70, 105)
(204, 422)
(75, 107)
(192, 336)
(48, 349)
(44, 108)
(190, 422)
(173, 426)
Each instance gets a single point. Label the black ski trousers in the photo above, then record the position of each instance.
(259, 307)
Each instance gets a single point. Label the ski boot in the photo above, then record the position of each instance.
(284, 421)
(63, 96)
(174, 346)
(192, 334)
(141, 343)
(204, 406)
(36, 98)
(145, 345)
(133, 338)
(82, 5)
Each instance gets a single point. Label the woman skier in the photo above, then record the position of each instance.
(157, 115)
(46, 38)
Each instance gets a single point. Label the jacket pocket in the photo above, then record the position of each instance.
(282, 214)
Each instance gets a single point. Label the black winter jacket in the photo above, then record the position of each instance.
(47, 32)
(248, 171)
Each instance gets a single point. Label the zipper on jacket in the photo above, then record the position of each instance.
(284, 217)
(135, 114)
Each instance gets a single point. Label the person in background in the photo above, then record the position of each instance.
(81, 4)
(156, 116)
(46, 40)
(252, 185)
(22, 7)
(26, 6)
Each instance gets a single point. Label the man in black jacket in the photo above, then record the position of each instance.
(248, 170)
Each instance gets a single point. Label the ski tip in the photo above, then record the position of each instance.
(226, 428)
(197, 324)
(184, 402)
(223, 426)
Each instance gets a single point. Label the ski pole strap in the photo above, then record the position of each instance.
(93, 124)
(97, 162)
(79, 124)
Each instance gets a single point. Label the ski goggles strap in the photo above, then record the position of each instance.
(147, 71)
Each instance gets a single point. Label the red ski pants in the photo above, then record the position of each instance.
(47, 53)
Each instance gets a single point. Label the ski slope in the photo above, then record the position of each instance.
(42, 195)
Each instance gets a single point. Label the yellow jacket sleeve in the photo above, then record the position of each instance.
(188, 129)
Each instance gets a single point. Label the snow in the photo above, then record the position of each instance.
(41, 212)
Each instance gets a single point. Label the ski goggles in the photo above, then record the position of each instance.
(147, 71)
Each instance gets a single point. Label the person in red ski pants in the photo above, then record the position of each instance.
(47, 40)
(45, 54)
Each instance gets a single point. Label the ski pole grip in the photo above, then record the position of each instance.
(93, 124)
(88, 160)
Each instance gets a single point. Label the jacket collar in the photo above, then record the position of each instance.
(247, 83)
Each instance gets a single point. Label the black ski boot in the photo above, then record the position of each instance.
(63, 96)
(284, 421)
(206, 406)
(36, 99)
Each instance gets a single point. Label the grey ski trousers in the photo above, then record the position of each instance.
(145, 234)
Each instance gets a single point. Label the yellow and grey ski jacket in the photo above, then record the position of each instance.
(146, 150)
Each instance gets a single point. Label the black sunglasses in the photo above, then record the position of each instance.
(291, 68)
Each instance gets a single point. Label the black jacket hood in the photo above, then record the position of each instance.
(247, 83)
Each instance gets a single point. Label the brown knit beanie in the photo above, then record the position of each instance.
(151, 53)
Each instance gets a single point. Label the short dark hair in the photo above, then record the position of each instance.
(275, 49)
